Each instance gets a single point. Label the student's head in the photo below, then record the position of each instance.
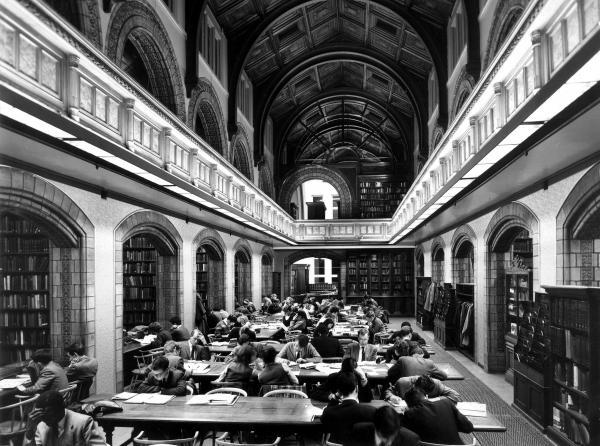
(43, 356)
(334, 310)
(269, 354)
(302, 314)
(417, 351)
(414, 396)
(154, 328)
(175, 320)
(74, 350)
(405, 333)
(363, 337)
(406, 324)
(231, 319)
(425, 383)
(242, 320)
(52, 405)
(195, 335)
(302, 340)
(348, 365)
(387, 424)
(346, 384)
(243, 339)
(324, 327)
(370, 315)
(160, 368)
(245, 355)
(171, 347)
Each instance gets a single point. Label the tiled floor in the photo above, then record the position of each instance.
(478, 385)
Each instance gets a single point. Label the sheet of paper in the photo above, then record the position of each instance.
(213, 399)
(472, 409)
(150, 398)
(11, 383)
(124, 396)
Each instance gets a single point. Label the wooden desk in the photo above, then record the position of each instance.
(450, 370)
(384, 348)
(265, 331)
(225, 349)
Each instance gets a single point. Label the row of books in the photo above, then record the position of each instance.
(19, 282)
(147, 305)
(572, 375)
(24, 301)
(570, 313)
(139, 242)
(134, 281)
(10, 245)
(26, 337)
(140, 293)
(12, 355)
(139, 267)
(570, 345)
(15, 319)
(133, 319)
(139, 256)
(14, 225)
(25, 263)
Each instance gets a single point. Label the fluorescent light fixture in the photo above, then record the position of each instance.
(33, 122)
(88, 148)
(519, 134)
(464, 182)
(177, 189)
(155, 179)
(589, 72)
(560, 99)
(124, 164)
(477, 170)
(496, 155)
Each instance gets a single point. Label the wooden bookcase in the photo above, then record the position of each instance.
(25, 298)
(575, 359)
(202, 272)
(519, 297)
(380, 196)
(444, 312)
(139, 282)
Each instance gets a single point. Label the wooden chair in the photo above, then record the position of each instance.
(382, 337)
(190, 389)
(223, 441)
(223, 384)
(219, 358)
(270, 342)
(266, 388)
(229, 390)
(285, 393)
(68, 393)
(425, 443)
(83, 388)
(14, 421)
(193, 441)
(345, 343)
(144, 361)
(326, 441)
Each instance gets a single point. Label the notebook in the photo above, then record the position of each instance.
(215, 399)
(150, 398)
(472, 409)
(124, 396)
(12, 383)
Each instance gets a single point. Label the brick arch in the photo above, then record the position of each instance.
(135, 21)
(461, 234)
(576, 224)
(241, 157)
(168, 243)
(463, 271)
(436, 137)
(462, 90)
(243, 246)
(438, 266)
(499, 234)
(71, 253)
(316, 172)
(205, 105)
(83, 15)
(212, 242)
(505, 16)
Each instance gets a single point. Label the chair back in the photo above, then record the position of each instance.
(382, 337)
(83, 389)
(13, 419)
(69, 393)
(425, 443)
(222, 384)
(266, 388)
(270, 342)
(228, 390)
(285, 393)
(219, 358)
(190, 389)
(192, 441)
(345, 343)
(226, 440)
(145, 359)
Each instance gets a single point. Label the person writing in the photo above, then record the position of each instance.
(51, 377)
(431, 387)
(163, 379)
(362, 351)
(416, 364)
(275, 373)
(300, 351)
(239, 373)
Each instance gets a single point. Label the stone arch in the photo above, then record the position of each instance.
(506, 15)
(419, 261)
(438, 259)
(266, 270)
(577, 232)
(316, 172)
(436, 137)
(464, 87)
(320, 253)
(83, 15)
(133, 21)
(463, 261)
(71, 253)
(168, 243)
(505, 225)
(242, 264)
(213, 244)
(205, 109)
(265, 180)
(241, 156)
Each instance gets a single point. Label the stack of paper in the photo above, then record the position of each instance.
(150, 398)
(472, 409)
(323, 368)
(123, 396)
(307, 365)
(220, 399)
(197, 368)
(12, 383)
(219, 343)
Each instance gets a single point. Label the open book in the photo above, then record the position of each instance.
(11, 383)
(220, 399)
(472, 409)
(124, 396)
(150, 398)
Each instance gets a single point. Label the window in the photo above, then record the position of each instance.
(433, 92)
(212, 46)
(244, 96)
(457, 35)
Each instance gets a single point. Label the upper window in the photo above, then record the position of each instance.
(457, 35)
(244, 96)
(212, 46)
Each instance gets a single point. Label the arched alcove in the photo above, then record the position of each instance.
(242, 264)
(205, 116)
(240, 153)
(209, 253)
(437, 261)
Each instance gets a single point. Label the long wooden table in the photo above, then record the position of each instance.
(277, 415)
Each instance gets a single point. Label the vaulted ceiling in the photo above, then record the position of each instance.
(342, 80)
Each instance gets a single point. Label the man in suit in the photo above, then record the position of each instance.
(362, 351)
(300, 351)
(52, 376)
(413, 365)
(195, 347)
(375, 325)
(50, 424)
(415, 337)
(432, 387)
(434, 421)
(178, 332)
(345, 411)
(81, 367)
(163, 379)
(326, 345)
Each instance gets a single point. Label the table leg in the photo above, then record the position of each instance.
(108, 431)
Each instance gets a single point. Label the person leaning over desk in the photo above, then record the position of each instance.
(300, 351)
(163, 379)
(51, 376)
(431, 387)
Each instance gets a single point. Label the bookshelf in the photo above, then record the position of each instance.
(464, 332)
(519, 298)
(380, 196)
(25, 303)
(575, 343)
(139, 281)
(202, 272)
(444, 313)
(531, 353)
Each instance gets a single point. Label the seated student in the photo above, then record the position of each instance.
(274, 373)
(398, 349)
(387, 430)
(300, 351)
(213, 317)
(178, 331)
(416, 364)
(266, 303)
(51, 376)
(162, 335)
(223, 328)
(362, 351)
(249, 306)
(51, 424)
(374, 323)
(415, 337)
(345, 411)
(434, 421)
(431, 387)
(163, 379)
(326, 345)
(275, 306)
(326, 391)
(173, 354)
(243, 326)
(81, 367)
(300, 323)
(288, 315)
(195, 348)
(239, 372)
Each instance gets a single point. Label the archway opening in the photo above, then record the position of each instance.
(420, 264)
(463, 262)
(206, 126)
(316, 200)
(437, 265)
(266, 283)
(242, 277)
(241, 161)
(210, 271)
(315, 276)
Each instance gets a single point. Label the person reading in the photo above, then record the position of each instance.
(416, 364)
(275, 373)
(162, 379)
(300, 351)
(51, 376)
(362, 351)
(431, 387)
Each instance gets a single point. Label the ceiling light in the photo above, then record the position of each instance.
(155, 179)
(88, 148)
(31, 121)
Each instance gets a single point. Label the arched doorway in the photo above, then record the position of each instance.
(266, 282)
(315, 275)
(242, 276)
(420, 262)
(463, 261)
(462, 318)
(210, 272)
(316, 200)
(437, 264)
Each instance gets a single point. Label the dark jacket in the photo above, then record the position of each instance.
(322, 392)
(173, 385)
(83, 367)
(161, 338)
(198, 352)
(274, 374)
(328, 346)
(180, 334)
(363, 434)
(235, 334)
(338, 419)
(412, 366)
(52, 377)
(437, 422)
